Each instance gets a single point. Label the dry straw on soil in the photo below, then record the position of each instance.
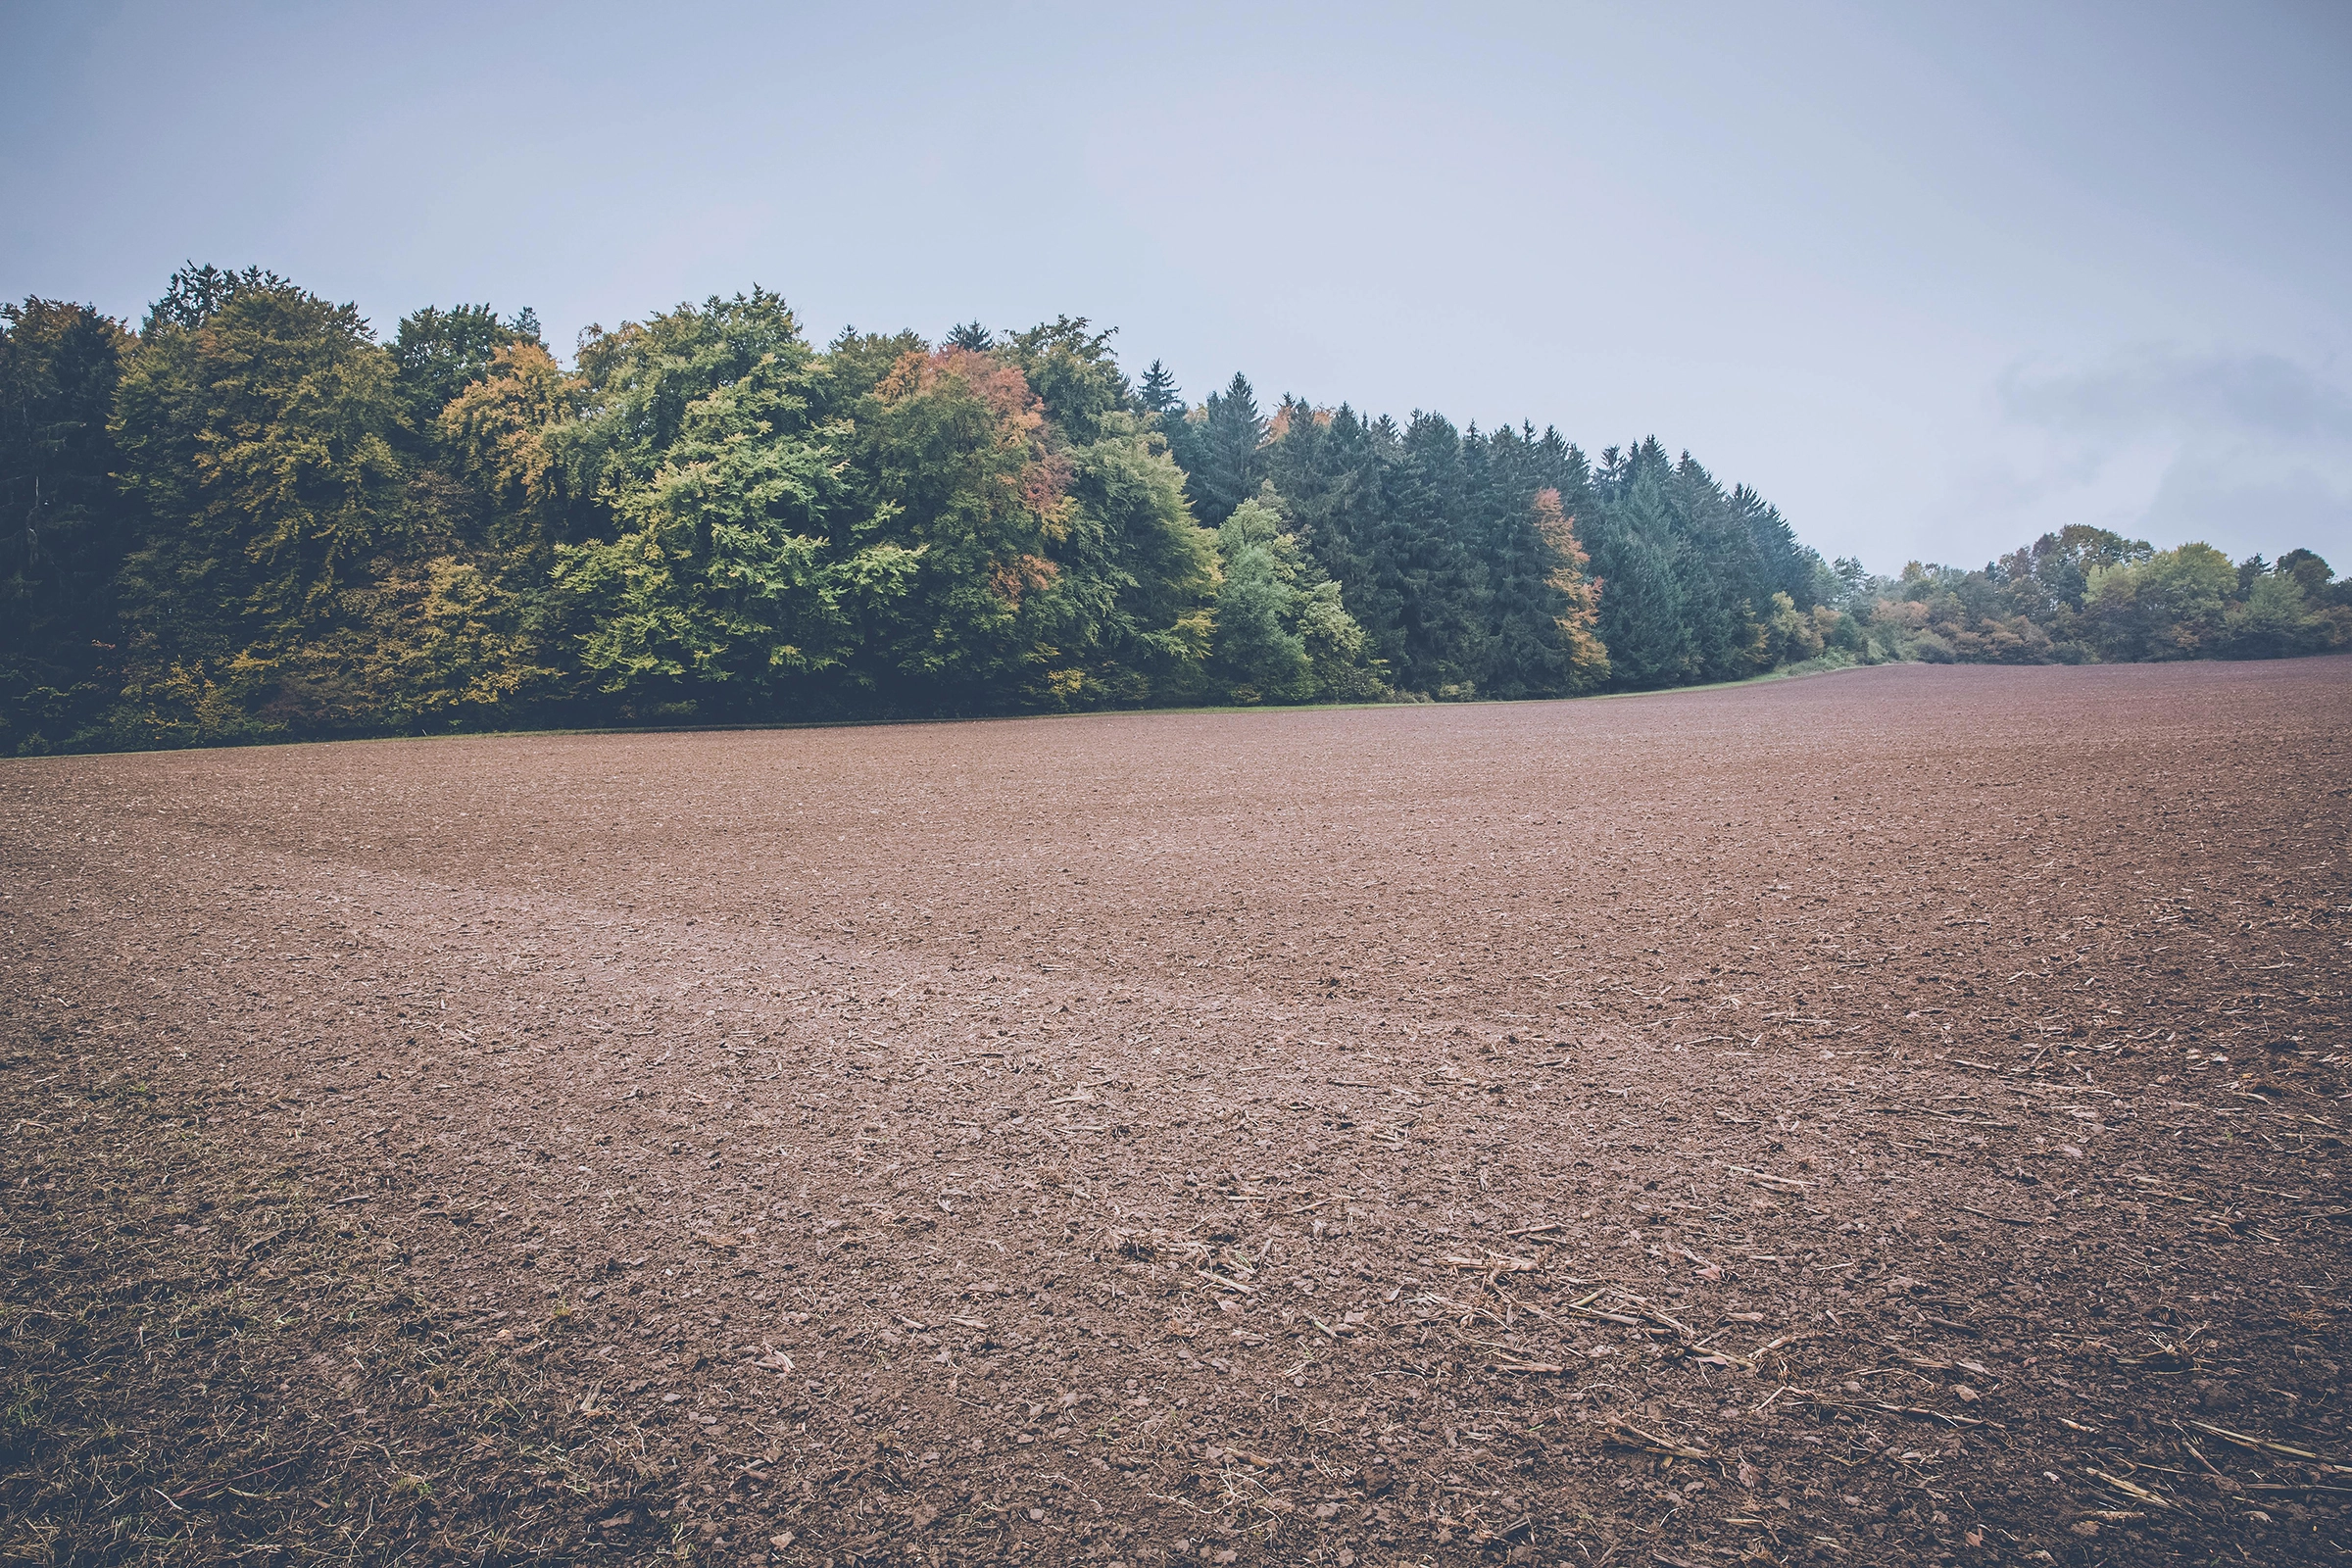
(1894, 1117)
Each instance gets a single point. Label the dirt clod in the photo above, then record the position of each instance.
(1891, 1117)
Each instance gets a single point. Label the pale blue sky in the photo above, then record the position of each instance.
(1934, 279)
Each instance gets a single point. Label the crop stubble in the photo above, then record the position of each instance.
(1880, 1119)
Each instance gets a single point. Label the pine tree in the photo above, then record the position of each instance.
(63, 528)
(1229, 465)
(1156, 394)
(1328, 468)
(1725, 597)
(1445, 589)
(194, 295)
(1525, 544)
(1633, 547)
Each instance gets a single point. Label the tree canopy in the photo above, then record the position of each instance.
(250, 518)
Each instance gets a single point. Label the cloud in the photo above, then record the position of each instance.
(2246, 449)
(2226, 505)
(2158, 390)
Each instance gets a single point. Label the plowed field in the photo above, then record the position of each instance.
(1895, 1116)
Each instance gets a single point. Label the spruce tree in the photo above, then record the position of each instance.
(1641, 614)
(1229, 465)
(1443, 587)
(1328, 468)
(1156, 394)
(63, 527)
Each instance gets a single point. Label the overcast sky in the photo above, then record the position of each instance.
(1935, 279)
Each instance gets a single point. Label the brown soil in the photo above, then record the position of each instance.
(1883, 1119)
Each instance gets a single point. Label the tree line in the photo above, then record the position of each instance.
(250, 520)
(2085, 595)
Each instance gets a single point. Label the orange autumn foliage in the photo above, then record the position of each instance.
(1578, 622)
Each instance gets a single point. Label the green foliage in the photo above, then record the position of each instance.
(2275, 620)
(262, 443)
(253, 520)
(2170, 606)
(1258, 652)
(2314, 576)
(1156, 395)
(1282, 633)
(1139, 576)
(1644, 563)
(955, 452)
(726, 573)
(641, 379)
(1073, 372)
(1219, 446)
(1438, 550)
(430, 643)
(261, 446)
(2085, 595)
(63, 527)
(1701, 584)
(440, 353)
(855, 363)
(194, 295)
(495, 431)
